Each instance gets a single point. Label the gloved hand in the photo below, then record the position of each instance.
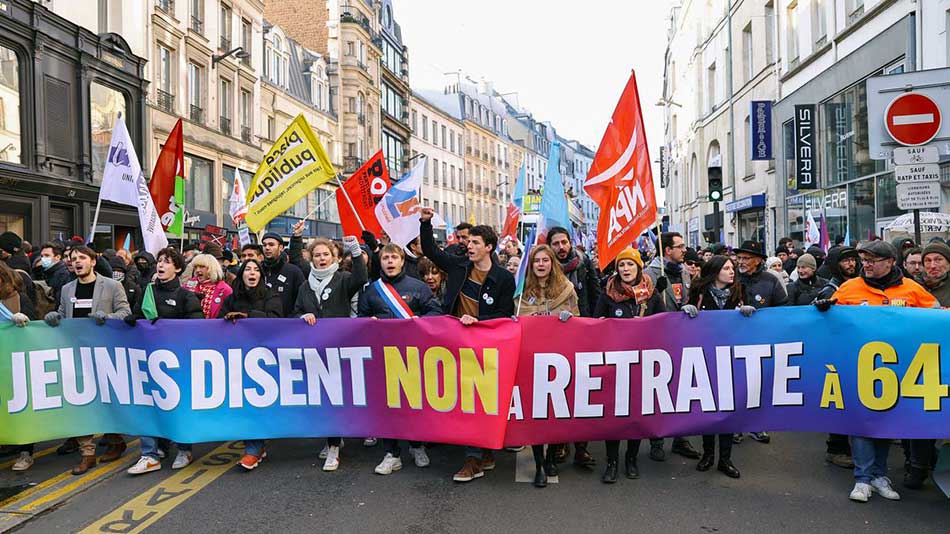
(53, 318)
(155, 320)
(691, 310)
(514, 318)
(824, 305)
(351, 245)
(130, 320)
(20, 319)
(370, 239)
(234, 316)
(747, 310)
(661, 283)
(100, 318)
(564, 316)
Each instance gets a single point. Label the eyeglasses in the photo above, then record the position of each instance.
(744, 258)
(692, 263)
(913, 263)
(681, 245)
(872, 261)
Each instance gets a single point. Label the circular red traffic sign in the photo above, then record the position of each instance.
(912, 119)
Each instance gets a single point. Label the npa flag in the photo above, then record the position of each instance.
(516, 206)
(361, 192)
(450, 237)
(295, 165)
(168, 183)
(238, 201)
(620, 180)
(812, 231)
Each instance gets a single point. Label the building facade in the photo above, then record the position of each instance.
(437, 135)
(583, 159)
(395, 92)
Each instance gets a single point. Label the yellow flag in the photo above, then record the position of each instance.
(294, 166)
(471, 218)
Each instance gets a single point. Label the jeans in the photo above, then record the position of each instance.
(725, 445)
(923, 453)
(254, 447)
(870, 458)
(392, 446)
(150, 446)
(476, 452)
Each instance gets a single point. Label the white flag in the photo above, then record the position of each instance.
(812, 232)
(122, 169)
(238, 208)
(398, 211)
(149, 219)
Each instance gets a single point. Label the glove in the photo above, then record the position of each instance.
(234, 316)
(370, 239)
(100, 318)
(514, 318)
(130, 320)
(564, 316)
(824, 305)
(53, 318)
(691, 310)
(351, 245)
(20, 319)
(747, 310)
(155, 320)
(661, 283)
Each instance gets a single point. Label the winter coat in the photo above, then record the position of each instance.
(762, 289)
(676, 285)
(415, 293)
(566, 300)
(339, 292)
(498, 291)
(941, 290)
(835, 277)
(706, 301)
(805, 291)
(411, 267)
(285, 280)
(55, 277)
(220, 292)
(145, 278)
(172, 302)
(609, 308)
(108, 297)
(269, 307)
(585, 282)
(893, 290)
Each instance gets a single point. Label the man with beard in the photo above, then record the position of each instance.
(842, 265)
(462, 234)
(284, 278)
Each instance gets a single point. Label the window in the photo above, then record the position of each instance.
(819, 22)
(392, 151)
(271, 128)
(105, 104)
(445, 174)
(246, 115)
(747, 132)
(224, 106)
(198, 186)
(425, 128)
(246, 40)
(165, 89)
(196, 9)
(452, 142)
(435, 172)
(415, 123)
(435, 133)
(769, 20)
(855, 10)
(711, 87)
(844, 124)
(791, 22)
(788, 141)
(224, 27)
(277, 59)
(349, 49)
(452, 173)
(444, 142)
(195, 96)
(392, 102)
(10, 141)
(748, 54)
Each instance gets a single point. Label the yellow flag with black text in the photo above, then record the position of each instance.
(294, 166)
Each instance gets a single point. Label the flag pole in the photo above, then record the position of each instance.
(350, 202)
(95, 219)
(317, 208)
(659, 252)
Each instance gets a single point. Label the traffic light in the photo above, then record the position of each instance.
(715, 184)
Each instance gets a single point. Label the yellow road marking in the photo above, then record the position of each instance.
(23, 495)
(69, 488)
(36, 455)
(144, 510)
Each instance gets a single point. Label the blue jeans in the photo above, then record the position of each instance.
(150, 446)
(870, 458)
(254, 447)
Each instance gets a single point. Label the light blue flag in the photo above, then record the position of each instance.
(523, 267)
(554, 210)
(517, 196)
(127, 245)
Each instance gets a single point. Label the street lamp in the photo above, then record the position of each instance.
(238, 52)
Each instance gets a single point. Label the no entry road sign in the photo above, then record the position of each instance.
(912, 119)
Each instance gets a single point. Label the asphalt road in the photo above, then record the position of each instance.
(785, 487)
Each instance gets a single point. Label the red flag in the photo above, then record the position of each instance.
(365, 189)
(511, 221)
(169, 166)
(620, 179)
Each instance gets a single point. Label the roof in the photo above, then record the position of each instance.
(448, 104)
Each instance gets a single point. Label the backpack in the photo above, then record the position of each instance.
(43, 296)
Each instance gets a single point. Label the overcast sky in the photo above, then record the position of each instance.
(568, 60)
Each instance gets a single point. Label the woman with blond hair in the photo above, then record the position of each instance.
(546, 292)
(205, 278)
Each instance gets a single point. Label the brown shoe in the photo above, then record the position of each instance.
(113, 453)
(561, 452)
(470, 471)
(87, 463)
(583, 458)
(488, 460)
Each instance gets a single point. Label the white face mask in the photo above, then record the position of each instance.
(46, 262)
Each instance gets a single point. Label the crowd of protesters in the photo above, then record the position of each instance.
(473, 280)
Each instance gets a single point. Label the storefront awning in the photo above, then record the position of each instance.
(747, 203)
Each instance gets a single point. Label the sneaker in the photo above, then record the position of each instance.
(488, 460)
(882, 486)
(861, 492)
(841, 460)
(249, 461)
(470, 471)
(519, 448)
(24, 462)
(146, 464)
(369, 442)
(419, 456)
(332, 459)
(161, 453)
(761, 437)
(324, 452)
(182, 460)
(389, 464)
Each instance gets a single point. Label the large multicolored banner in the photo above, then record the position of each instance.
(853, 370)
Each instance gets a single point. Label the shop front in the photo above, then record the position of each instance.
(749, 217)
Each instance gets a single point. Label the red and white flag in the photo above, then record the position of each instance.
(620, 179)
(361, 192)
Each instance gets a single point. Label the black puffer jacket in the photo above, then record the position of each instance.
(55, 277)
(172, 302)
(584, 279)
(284, 279)
(414, 292)
(835, 277)
(805, 290)
(145, 277)
(762, 289)
(269, 307)
(339, 293)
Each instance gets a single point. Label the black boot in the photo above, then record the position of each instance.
(540, 478)
(685, 449)
(610, 473)
(914, 478)
(630, 466)
(550, 463)
(706, 462)
(726, 467)
(656, 450)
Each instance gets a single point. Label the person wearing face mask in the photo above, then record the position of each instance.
(145, 264)
(205, 278)
(171, 302)
(546, 292)
(52, 268)
(327, 294)
(121, 274)
(513, 264)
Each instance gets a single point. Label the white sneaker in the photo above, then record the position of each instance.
(182, 460)
(146, 464)
(333, 459)
(324, 451)
(861, 492)
(161, 453)
(882, 486)
(389, 464)
(24, 462)
(369, 442)
(419, 456)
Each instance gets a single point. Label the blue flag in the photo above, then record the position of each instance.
(523, 267)
(554, 210)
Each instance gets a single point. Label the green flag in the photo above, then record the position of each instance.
(148, 304)
(178, 226)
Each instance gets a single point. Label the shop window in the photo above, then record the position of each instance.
(198, 184)
(860, 211)
(105, 105)
(886, 197)
(788, 140)
(844, 124)
(10, 140)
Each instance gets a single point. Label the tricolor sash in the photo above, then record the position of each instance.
(391, 297)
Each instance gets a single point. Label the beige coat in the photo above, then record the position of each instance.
(566, 300)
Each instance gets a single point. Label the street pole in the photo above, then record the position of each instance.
(716, 227)
(916, 227)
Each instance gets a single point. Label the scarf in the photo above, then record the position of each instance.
(571, 262)
(319, 279)
(620, 291)
(207, 290)
(891, 279)
(674, 270)
(720, 296)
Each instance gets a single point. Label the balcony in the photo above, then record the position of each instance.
(360, 119)
(196, 114)
(246, 134)
(363, 66)
(351, 164)
(196, 25)
(224, 124)
(224, 43)
(165, 101)
(468, 150)
(360, 19)
(167, 6)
